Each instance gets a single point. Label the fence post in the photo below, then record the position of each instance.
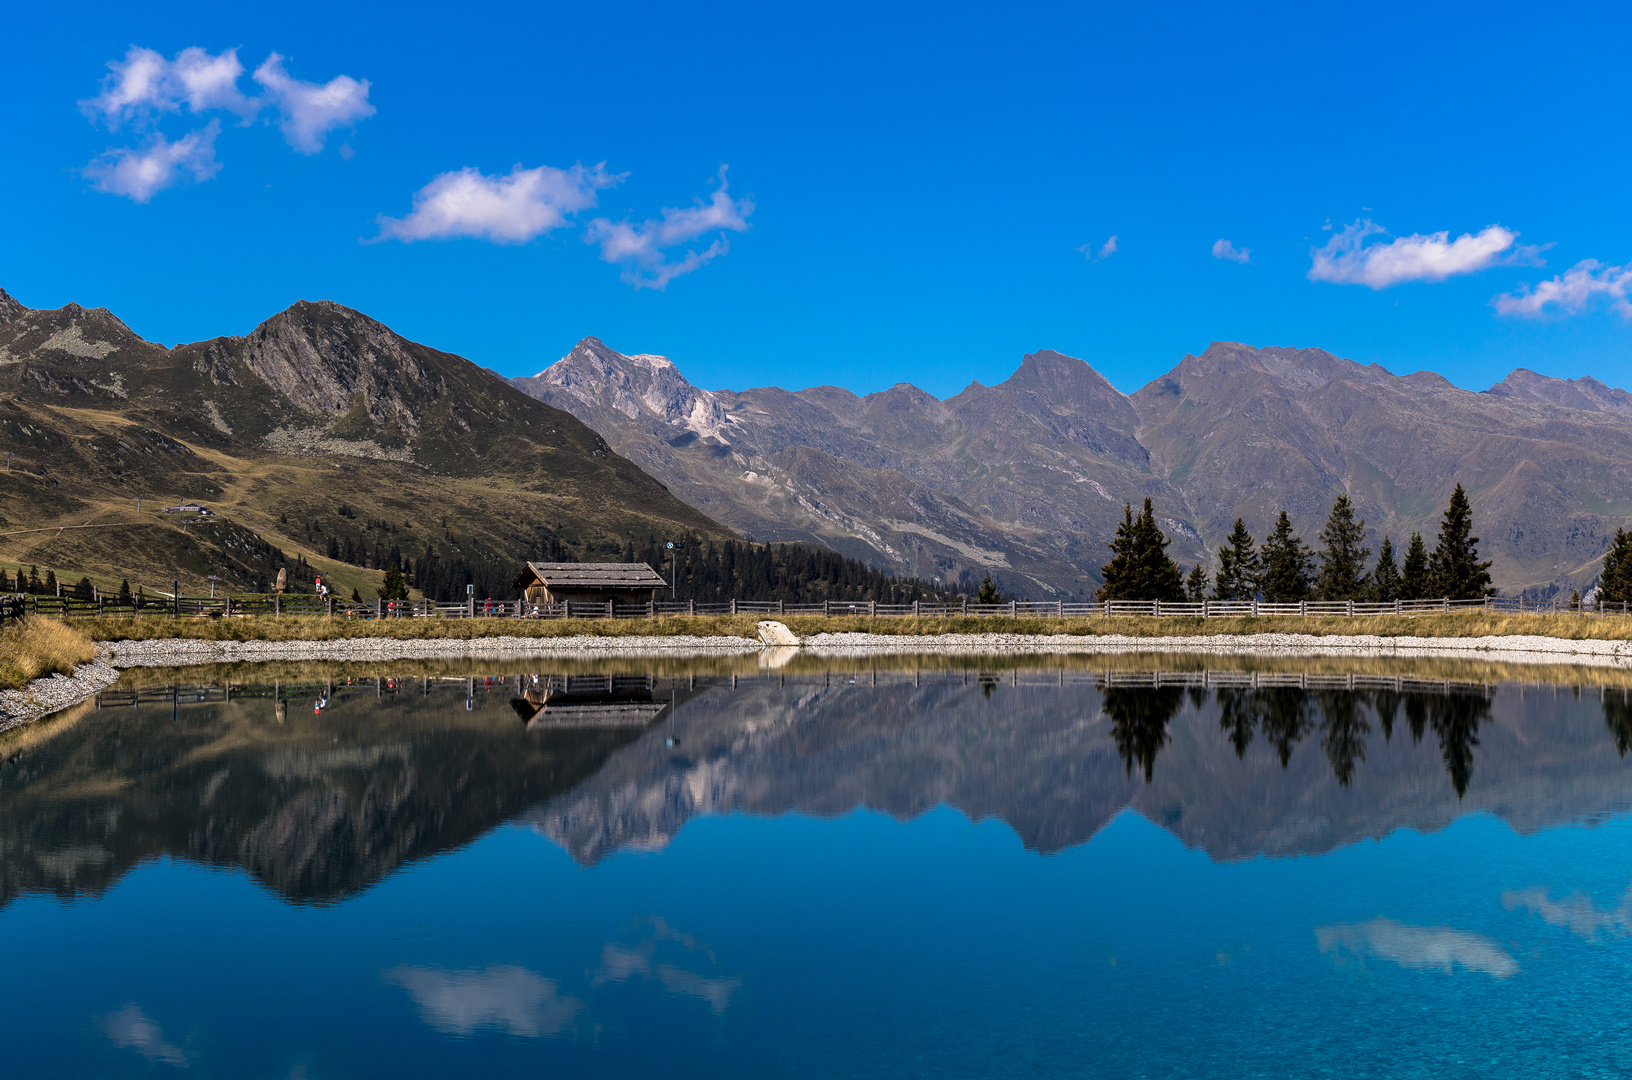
(733, 606)
(1156, 608)
(965, 607)
(915, 609)
(1351, 609)
(779, 605)
(1445, 604)
(379, 607)
(1396, 606)
(691, 608)
(100, 608)
(651, 608)
(609, 609)
(229, 605)
(1011, 609)
(470, 605)
(872, 609)
(277, 604)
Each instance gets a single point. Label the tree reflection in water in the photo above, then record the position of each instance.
(1139, 719)
(1285, 715)
(1618, 718)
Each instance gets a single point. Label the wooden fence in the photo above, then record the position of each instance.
(15, 606)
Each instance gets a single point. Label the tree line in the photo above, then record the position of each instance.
(1284, 569)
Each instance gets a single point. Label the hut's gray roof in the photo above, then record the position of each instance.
(590, 575)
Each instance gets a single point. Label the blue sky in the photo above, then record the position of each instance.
(911, 193)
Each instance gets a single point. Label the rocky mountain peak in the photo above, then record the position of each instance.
(1582, 393)
(640, 387)
(9, 308)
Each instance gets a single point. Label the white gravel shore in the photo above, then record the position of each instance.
(1517, 649)
(45, 696)
(175, 652)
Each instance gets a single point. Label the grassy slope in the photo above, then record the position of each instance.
(40, 647)
(318, 628)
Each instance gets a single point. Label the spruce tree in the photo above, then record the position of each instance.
(124, 591)
(1140, 568)
(1616, 581)
(1343, 561)
(1414, 583)
(1385, 576)
(84, 590)
(5, 581)
(34, 585)
(1238, 567)
(1195, 586)
(988, 592)
(1287, 562)
(50, 587)
(392, 588)
(1454, 568)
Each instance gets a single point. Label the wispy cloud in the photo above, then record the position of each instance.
(132, 1029)
(1570, 292)
(643, 250)
(1421, 947)
(1576, 911)
(1347, 259)
(503, 997)
(145, 84)
(1223, 249)
(140, 174)
(1103, 251)
(505, 209)
(311, 110)
(620, 963)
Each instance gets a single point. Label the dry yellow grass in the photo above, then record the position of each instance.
(320, 628)
(38, 647)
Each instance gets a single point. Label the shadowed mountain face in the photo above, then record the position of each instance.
(315, 806)
(1027, 479)
(318, 407)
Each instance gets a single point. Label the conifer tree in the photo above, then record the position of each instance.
(1140, 568)
(1385, 576)
(1238, 567)
(1343, 561)
(5, 580)
(988, 592)
(1616, 581)
(1195, 586)
(84, 590)
(356, 597)
(1287, 562)
(1454, 569)
(1414, 582)
(124, 591)
(50, 587)
(392, 588)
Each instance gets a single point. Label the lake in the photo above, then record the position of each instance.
(1096, 867)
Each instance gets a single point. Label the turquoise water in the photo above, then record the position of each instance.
(933, 875)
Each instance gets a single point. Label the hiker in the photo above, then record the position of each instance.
(322, 590)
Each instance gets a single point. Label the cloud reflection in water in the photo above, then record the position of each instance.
(504, 996)
(1419, 947)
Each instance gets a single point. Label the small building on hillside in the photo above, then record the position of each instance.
(588, 583)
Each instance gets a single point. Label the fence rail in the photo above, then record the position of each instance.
(16, 606)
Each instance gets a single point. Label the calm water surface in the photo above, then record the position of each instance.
(815, 872)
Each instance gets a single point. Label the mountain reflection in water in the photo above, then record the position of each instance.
(320, 790)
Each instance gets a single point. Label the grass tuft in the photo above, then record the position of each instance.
(38, 647)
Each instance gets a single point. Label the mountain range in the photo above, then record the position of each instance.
(320, 430)
(1027, 480)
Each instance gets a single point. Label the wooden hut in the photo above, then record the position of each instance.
(588, 583)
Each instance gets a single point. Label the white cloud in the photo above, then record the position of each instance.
(139, 174)
(504, 209)
(620, 963)
(505, 997)
(145, 84)
(1571, 291)
(1223, 249)
(1346, 259)
(1104, 251)
(1438, 947)
(312, 110)
(132, 1029)
(642, 250)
